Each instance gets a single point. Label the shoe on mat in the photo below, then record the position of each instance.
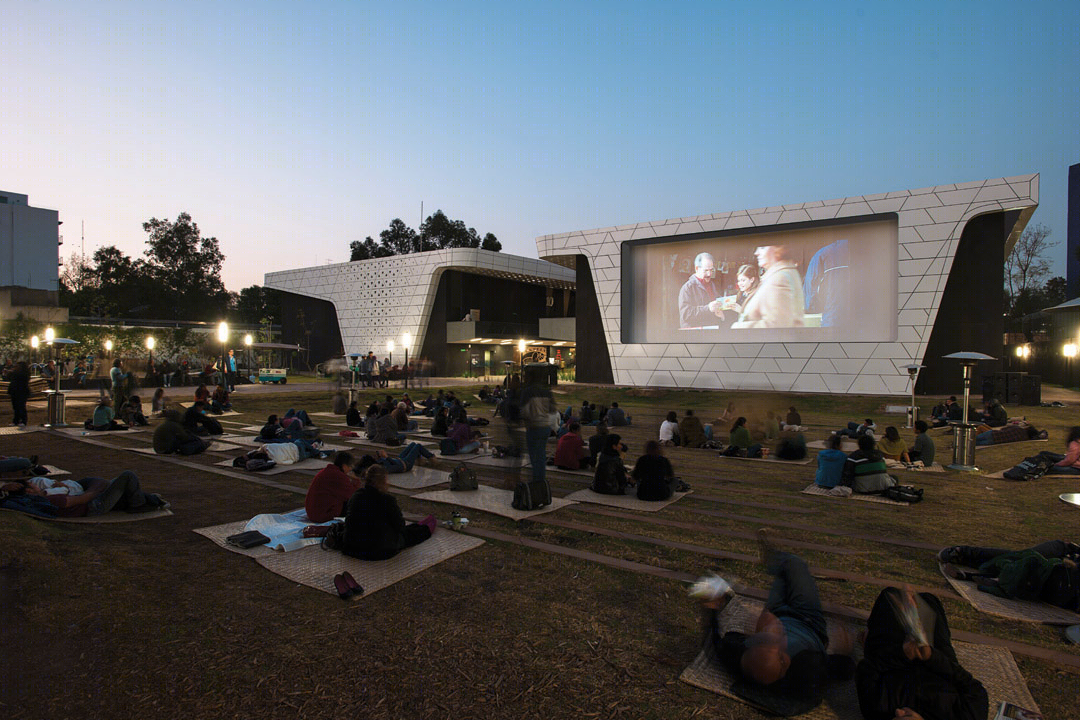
(342, 587)
(354, 587)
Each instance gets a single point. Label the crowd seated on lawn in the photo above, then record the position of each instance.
(949, 411)
(386, 429)
(1015, 432)
(88, 497)
(611, 477)
(352, 416)
(728, 416)
(571, 452)
(401, 419)
(1070, 464)
(374, 526)
(172, 436)
(158, 403)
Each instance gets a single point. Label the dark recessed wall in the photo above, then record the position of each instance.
(970, 316)
(593, 361)
(313, 324)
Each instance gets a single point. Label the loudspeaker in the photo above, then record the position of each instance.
(1031, 392)
(1001, 386)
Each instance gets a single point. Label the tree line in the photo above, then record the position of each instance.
(437, 232)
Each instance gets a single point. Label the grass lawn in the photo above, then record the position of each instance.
(148, 619)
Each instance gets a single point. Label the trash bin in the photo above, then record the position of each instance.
(964, 446)
(55, 408)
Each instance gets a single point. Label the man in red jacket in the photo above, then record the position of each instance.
(570, 453)
(331, 489)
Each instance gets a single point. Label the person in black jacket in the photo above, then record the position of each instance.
(653, 474)
(374, 527)
(610, 477)
(19, 390)
(352, 416)
(904, 678)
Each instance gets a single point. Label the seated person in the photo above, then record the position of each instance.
(410, 407)
(461, 437)
(197, 421)
(864, 469)
(597, 440)
(131, 412)
(172, 437)
(441, 424)
(1009, 434)
(616, 416)
(104, 417)
(948, 412)
(202, 394)
(856, 431)
(905, 676)
(370, 419)
(772, 426)
(272, 431)
(570, 453)
(791, 446)
(669, 430)
(739, 440)
(159, 402)
(374, 526)
(784, 666)
(1048, 572)
(692, 433)
(830, 467)
(386, 429)
(395, 464)
(331, 489)
(923, 448)
(793, 420)
(995, 414)
(219, 401)
(352, 416)
(1070, 464)
(587, 413)
(610, 477)
(401, 418)
(892, 446)
(653, 474)
(338, 403)
(95, 496)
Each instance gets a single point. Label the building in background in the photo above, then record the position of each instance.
(29, 260)
(1072, 237)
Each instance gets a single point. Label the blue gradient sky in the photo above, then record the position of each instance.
(290, 129)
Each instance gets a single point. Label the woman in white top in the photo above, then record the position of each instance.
(669, 430)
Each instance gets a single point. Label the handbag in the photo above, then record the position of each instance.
(249, 539)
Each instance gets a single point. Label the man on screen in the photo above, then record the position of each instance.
(778, 302)
(698, 303)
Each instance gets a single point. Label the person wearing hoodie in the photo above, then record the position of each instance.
(830, 467)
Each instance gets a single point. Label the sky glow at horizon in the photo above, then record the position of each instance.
(289, 131)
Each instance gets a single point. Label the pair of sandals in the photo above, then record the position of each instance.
(346, 586)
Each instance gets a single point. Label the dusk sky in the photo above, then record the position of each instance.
(290, 129)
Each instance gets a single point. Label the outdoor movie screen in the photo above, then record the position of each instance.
(830, 281)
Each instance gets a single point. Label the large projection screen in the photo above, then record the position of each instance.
(831, 280)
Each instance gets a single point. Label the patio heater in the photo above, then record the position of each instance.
(964, 433)
(55, 398)
(913, 369)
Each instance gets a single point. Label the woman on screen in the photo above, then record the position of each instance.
(778, 300)
(747, 280)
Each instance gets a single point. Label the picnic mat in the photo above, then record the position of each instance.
(79, 431)
(991, 665)
(1018, 442)
(390, 449)
(215, 447)
(305, 464)
(316, 568)
(109, 517)
(490, 500)
(16, 430)
(209, 413)
(628, 502)
(897, 465)
(814, 489)
(999, 475)
(846, 445)
(419, 477)
(1025, 610)
(53, 470)
(492, 461)
(805, 461)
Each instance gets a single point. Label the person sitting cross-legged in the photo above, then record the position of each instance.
(864, 469)
(830, 467)
(654, 475)
(570, 453)
(374, 526)
(616, 416)
(692, 433)
(610, 477)
(331, 489)
(171, 436)
(923, 447)
(892, 446)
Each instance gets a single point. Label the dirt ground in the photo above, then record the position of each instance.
(148, 619)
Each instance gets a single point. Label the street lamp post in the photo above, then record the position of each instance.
(223, 337)
(150, 358)
(406, 340)
(247, 352)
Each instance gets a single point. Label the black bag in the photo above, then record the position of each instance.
(733, 451)
(463, 478)
(256, 464)
(531, 495)
(903, 493)
(447, 447)
(249, 539)
(334, 539)
(1031, 468)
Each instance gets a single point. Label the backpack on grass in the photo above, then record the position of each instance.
(903, 493)
(1031, 468)
(531, 495)
(463, 478)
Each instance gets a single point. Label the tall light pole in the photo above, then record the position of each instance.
(389, 355)
(247, 351)
(406, 340)
(223, 337)
(34, 343)
(150, 350)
